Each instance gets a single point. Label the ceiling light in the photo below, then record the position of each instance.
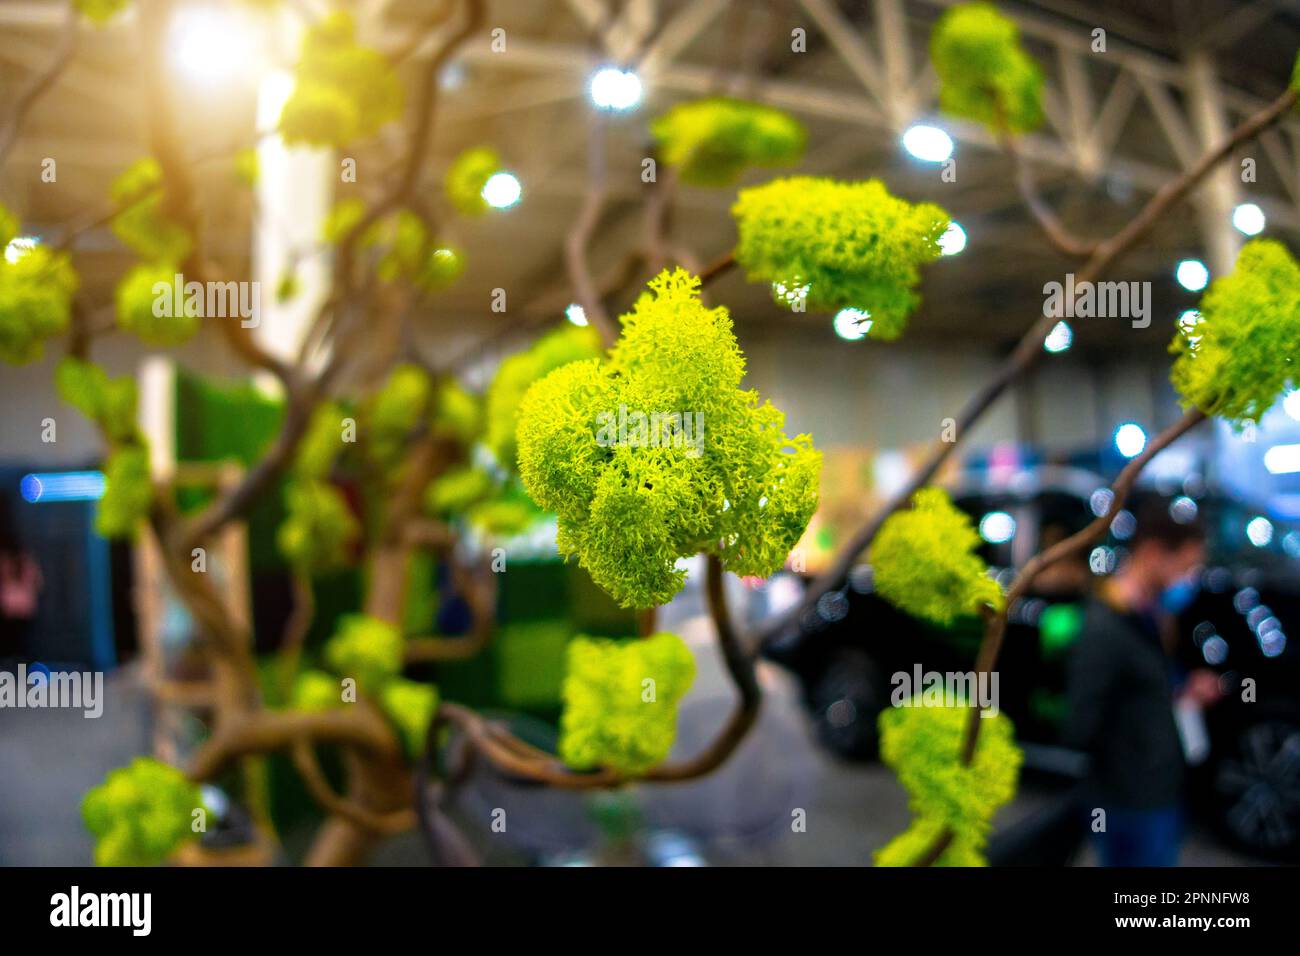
(502, 190)
(209, 45)
(615, 89)
(1192, 275)
(1060, 338)
(852, 324)
(953, 239)
(928, 143)
(1249, 219)
(1130, 439)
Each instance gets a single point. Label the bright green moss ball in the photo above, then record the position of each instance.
(410, 705)
(1238, 354)
(343, 91)
(923, 745)
(148, 306)
(908, 847)
(366, 649)
(394, 412)
(108, 402)
(316, 691)
(924, 562)
(836, 245)
(712, 141)
(636, 489)
(128, 492)
(620, 701)
(467, 176)
(984, 73)
(516, 373)
(141, 813)
(36, 293)
(319, 529)
(99, 12)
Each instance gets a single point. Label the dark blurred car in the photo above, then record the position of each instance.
(847, 651)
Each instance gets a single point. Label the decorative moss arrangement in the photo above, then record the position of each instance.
(722, 477)
(836, 245)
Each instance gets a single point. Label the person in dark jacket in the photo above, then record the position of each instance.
(1121, 694)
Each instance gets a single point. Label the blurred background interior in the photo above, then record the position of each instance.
(1173, 77)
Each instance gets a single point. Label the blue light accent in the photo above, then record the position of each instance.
(99, 575)
(44, 487)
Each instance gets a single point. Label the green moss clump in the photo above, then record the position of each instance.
(508, 514)
(413, 255)
(620, 701)
(458, 489)
(984, 73)
(410, 706)
(128, 492)
(712, 141)
(156, 318)
(319, 531)
(141, 813)
(343, 91)
(321, 443)
(838, 245)
(108, 402)
(36, 291)
(1238, 354)
(344, 216)
(633, 496)
(908, 847)
(925, 563)
(99, 12)
(395, 412)
(467, 176)
(366, 649)
(518, 372)
(141, 221)
(459, 415)
(316, 691)
(923, 745)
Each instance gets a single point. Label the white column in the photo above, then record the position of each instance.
(1219, 194)
(294, 194)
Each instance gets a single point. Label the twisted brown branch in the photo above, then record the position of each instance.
(1057, 234)
(996, 626)
(266, 731)
(309, 769)
(40, 84)
(517, 759)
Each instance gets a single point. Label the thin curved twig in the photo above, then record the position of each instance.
(265, 731)
(740, 667)
(717, 268)
(295, 630)
(40, 84)
(996, 626)
(519, 760)
(1025, 355)
(1053, 229)
(309, 769)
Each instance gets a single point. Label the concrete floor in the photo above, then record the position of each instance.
(742, 814)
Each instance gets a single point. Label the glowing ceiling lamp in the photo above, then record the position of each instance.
(928, 143)
(615, 89)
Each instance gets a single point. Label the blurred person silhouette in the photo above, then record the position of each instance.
(20, 584)
(1121, 689)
